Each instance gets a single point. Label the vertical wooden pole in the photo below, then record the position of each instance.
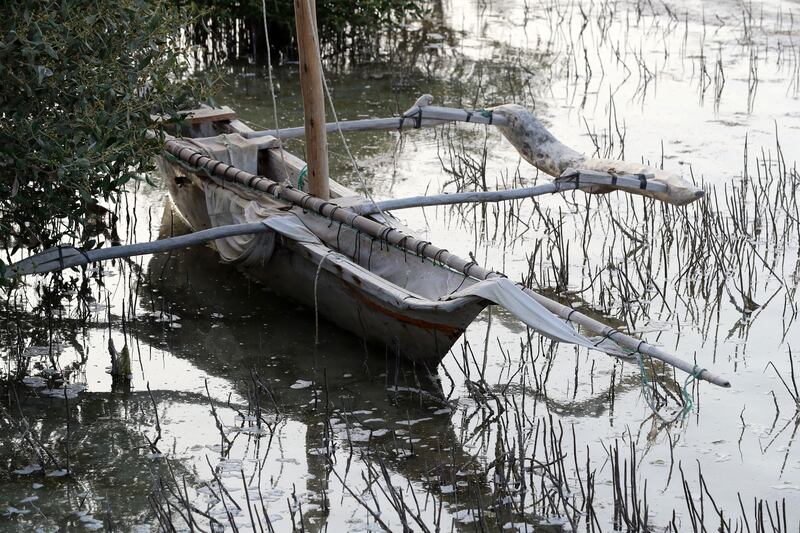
(313, 98)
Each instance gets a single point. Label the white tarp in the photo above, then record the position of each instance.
(230, 204)
(505, 293)
(292, 227)
(235, 150)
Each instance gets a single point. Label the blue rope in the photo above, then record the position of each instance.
(301, 176)
(648, 396)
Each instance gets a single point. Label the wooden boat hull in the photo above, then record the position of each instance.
(420, 333)
(386, 315)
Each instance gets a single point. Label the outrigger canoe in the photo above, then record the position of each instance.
(349, 259)
(353, 262)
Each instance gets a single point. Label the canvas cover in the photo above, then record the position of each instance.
(234, 149)
(503, 292)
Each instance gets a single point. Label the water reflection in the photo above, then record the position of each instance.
(255, 358)
(353, 400)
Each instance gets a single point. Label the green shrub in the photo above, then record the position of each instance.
(81, 79)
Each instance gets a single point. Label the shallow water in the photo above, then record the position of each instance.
(639, 80)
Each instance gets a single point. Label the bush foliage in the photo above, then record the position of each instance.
(81, 79)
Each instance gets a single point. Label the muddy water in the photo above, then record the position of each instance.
(239, 393)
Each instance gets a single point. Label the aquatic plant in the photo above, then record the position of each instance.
(232, 29)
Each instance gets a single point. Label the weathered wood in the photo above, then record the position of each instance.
(208, 114)
(204, 121)
(533, 141)
(202, 114)
(430, 116)
(313, 98)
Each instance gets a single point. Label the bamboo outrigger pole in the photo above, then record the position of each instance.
(313, 98)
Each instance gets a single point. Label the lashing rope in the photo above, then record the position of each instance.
(688, 402)
(418, 119)
(606, 335)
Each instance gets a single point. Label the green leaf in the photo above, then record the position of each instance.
(74, 105)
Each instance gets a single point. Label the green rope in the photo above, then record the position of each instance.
(301, 177)
(688, 402)
(648, 395)
(687, 398)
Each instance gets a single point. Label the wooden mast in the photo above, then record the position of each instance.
(313, 98)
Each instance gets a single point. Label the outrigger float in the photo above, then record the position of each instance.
(345, 255)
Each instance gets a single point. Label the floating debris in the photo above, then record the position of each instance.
(11, 511)
(34, 382)
(161, 316)
(412, 422)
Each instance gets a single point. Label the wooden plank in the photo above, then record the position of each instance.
(237, 126)
(208, 114)
(204, 121)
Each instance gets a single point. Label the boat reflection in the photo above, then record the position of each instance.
(355, 400)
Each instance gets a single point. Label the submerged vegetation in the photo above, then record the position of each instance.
(231, 29)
